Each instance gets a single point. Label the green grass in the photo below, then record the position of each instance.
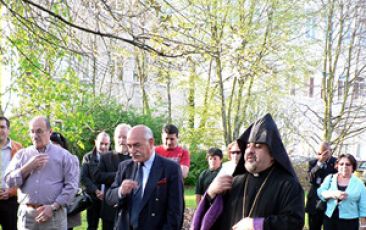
(190, 197)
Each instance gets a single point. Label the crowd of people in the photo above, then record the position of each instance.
(138, 185)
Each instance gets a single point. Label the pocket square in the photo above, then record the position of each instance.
(162, 181)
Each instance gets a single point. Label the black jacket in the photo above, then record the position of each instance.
(105, 174)
(88, 167)
(316, 176)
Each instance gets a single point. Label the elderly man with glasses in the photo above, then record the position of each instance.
(47, 176)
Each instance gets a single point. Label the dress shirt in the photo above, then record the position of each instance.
(5, 160)
(146, 170)
(57, 181)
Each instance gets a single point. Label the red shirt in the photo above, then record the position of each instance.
(178, 154)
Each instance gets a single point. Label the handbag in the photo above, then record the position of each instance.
(79, 203)
(322, 205)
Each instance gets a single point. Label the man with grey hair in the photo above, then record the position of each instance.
(47, 176)
(107, 168)
(148, 189)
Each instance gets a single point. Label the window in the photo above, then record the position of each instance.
(359, 88)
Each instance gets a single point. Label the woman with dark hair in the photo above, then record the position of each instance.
(345, 195)
(58, 139)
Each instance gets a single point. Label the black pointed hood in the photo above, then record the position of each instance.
(264, 131)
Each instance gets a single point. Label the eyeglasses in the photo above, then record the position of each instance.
(37, 132)
(346, 164)
(235, 152)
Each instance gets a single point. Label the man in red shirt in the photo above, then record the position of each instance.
(171, 150)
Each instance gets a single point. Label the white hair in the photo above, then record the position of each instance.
(122, 126)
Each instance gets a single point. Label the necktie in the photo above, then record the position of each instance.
(137, 197)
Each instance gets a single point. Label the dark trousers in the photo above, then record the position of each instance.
(93, 215)
(107, 225)
(340, 224)
(8, 213)
(316, 220)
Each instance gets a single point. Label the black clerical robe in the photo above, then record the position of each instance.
(280, 201)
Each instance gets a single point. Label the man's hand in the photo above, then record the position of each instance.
(219, 185)
(4, 194)
(35, 162)
(127, 186)
(44, 213)
(323, 156)
(99, 194)
(246, 223)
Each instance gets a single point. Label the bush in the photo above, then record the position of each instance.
(80, 124)
(198, 164)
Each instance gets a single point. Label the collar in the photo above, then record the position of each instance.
(150, 161)
(216, 170)
(263, 173)
(48, 146)
(7, 145)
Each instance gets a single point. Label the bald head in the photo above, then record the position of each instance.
(324, 152)
(140, 143)
(102, 142)
(324, 146)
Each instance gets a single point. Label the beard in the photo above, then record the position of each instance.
(251, 166)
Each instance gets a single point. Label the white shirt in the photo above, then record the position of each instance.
(146, 170)
(5, 160)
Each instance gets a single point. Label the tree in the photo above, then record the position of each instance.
(343, 69)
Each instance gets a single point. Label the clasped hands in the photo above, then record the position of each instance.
(4, 194)
(44, 213)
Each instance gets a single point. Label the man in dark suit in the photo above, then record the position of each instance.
(319, 168)
(156, 202)
(89, 165)
(107, 168)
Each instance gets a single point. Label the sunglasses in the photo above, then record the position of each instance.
(346, 164)
(235, 152)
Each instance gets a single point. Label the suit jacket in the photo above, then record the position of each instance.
(162, 202)
(88, 167)
(105, 174)
(316, 177)
(15, 146)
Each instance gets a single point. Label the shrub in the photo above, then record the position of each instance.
(198, 164)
